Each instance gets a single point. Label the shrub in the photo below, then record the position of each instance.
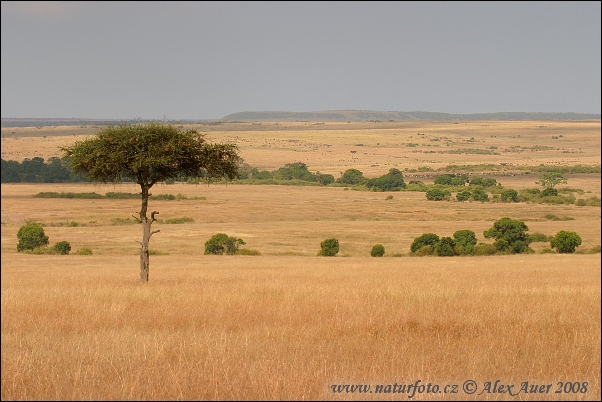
(31, 236)
(479, 194)
(377, 251)
(565, 242)
(435, 194)
(510, 235)
(392, 181)
(424, 250)
(465, 241)
(463, 195)
(484, 249)
(426, 239)
(84, 251)
(550, 191)
(539, 237)
(62, 247)
(352, 176)
(41, 250)
(330, 248)
(221, 243)
(445, 247)
(509, 195)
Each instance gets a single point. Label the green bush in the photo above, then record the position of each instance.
(484, 249)
(463, 195)
(465, 242)
(445, 247)
(539, 237)
(31, 236)
(549, 192)
(565, 241)
(424, 250)
(377, 251)
(510, 235)
(479, 194)
(436, 194)
(392, 181)
(329, 248)
(62, 247)
(221, 243)
(425, 239)
(509, 195)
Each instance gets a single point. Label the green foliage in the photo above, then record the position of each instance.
(324, 179)
(552, 217)
(509, 195)
(377, 251)
(565, 241)
(592, 202)
(484, 249)
(463, 195)
(426, 239)
(329, 248)
(465, 241)
(84, 251)
(392, 181)
(510, 235)
(54, 194)
(551, 179)
(445, 247)
(451, 179)
(424, 251)
(478, 194)
(352, 176)
(31, 236)
(150, 153)
(436, 194)
(549, 192)
(62, 247)
(221, 243)
(297, 170)
(483, 181)
(445, 179)
(539, 238)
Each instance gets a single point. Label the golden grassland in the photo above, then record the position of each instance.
(270, 327)
(373, 148)
(287, 324)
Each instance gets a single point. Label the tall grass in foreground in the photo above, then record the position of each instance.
(82, 327)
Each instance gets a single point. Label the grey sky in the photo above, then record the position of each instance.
(204, 60)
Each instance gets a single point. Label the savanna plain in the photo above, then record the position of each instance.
(286, 323)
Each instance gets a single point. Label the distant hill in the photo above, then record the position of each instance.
(373, 115)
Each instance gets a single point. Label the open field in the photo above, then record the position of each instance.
(373, 148)
(287, 324)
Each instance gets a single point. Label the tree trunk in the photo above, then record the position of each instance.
(146, 234)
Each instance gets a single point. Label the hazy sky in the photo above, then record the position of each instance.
(204, 60)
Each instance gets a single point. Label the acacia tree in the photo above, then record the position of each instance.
(551, 179)
(148, 153)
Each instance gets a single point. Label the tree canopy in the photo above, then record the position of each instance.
(147, 154)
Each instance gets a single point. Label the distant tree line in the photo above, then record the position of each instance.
(36, 170)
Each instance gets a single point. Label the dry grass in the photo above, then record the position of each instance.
(378, 146)
(288, 324)
(289, 327)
